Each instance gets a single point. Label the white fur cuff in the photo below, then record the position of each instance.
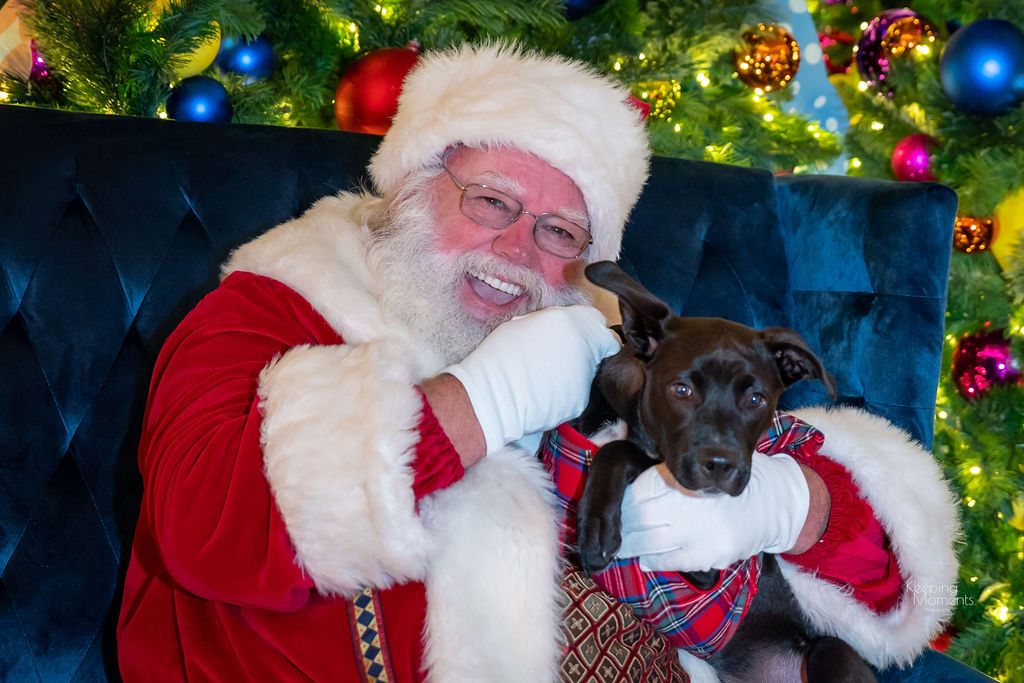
(493, 611)
(911, 499)
(339, 434)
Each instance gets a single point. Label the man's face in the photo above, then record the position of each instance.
(433, 263)
(496, 294)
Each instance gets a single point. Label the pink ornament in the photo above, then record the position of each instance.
(39, 68)
(912, 157)
(983, 360)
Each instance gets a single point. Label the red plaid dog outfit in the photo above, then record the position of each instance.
(701, 622)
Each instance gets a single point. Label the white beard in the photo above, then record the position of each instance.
(419, 282)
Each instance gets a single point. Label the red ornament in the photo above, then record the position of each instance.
(942, 641)
(367, 96)
(643, 107)
(983, 360)
(912, 157)
(837, 50)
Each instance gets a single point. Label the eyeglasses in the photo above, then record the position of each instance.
(494, 209)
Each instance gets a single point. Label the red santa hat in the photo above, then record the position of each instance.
(560, 110)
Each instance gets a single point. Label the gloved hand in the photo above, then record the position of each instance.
(673, 530)
(534, 372)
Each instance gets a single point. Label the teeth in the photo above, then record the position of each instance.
(500, 285)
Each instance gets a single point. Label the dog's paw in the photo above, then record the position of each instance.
(599, 535)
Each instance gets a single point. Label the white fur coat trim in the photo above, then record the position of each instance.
(338, 435)
(492, 588)
(911, 499)
(322, 255)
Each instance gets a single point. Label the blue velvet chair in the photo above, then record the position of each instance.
(111, 229)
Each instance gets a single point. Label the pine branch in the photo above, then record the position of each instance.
(91, 40)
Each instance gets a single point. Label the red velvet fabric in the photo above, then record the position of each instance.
(213, 591)
(854, 550)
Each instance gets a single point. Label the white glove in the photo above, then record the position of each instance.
(534, 372)
(673, 530)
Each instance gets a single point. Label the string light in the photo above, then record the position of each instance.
(855, 163)
(769, 117)
(4, 96)
(677, 128)
(970, 502)
(943, 414)
(617, 66)
(863, 86)
(703, 80)
(975, 470)
(877, 125)
(348, 32)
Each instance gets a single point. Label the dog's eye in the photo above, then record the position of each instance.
(682, 390)
(755, 400)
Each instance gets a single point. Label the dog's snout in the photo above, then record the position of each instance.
(717, 464)
(717, 470)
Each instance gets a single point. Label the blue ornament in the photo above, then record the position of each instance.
(982, 67)
(574, 9)
(199, 98)
(253, 59)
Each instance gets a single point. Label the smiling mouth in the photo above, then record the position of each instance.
(493, 290)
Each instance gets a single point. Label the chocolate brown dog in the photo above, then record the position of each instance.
(698, 393)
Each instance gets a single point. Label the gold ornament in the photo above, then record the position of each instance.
(907, 34)
(661, 95)
(195, 62)
(1010, 218)
(1017, 521)
(768, 58)
(972, 234)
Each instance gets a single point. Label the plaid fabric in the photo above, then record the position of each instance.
(701, 622)
(792, 436)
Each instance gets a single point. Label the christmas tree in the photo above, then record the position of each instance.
(133, 56)
(934, 92)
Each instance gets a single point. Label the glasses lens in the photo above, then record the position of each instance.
(490, 208)
(560, 237)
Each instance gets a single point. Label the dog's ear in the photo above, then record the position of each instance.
(621, 380)
(643, 314)
(794, 358)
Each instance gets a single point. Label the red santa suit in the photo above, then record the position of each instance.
(305, 517)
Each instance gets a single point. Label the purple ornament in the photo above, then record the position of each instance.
(983, 360)
(39, 68)
(872, 61)
(912, 157)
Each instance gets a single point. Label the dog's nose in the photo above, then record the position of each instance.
(717, 465)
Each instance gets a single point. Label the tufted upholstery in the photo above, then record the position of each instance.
(112, 228)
